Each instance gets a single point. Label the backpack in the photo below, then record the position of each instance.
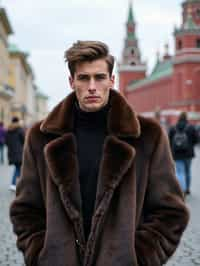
(180, 141)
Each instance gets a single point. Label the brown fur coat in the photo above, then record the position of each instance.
(139, 215)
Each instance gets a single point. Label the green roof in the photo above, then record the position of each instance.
(13, 48)
(130, 14)
(161, 70)
(190, 24)
(131, 36)
(41, 95)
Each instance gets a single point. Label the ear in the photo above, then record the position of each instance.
(71, 82)
(112, 80)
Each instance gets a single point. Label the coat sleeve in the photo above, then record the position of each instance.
(166, 215)
(27, 211)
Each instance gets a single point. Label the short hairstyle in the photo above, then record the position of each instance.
(183, 116)
(87, 51)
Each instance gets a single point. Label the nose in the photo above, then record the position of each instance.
(92, 85)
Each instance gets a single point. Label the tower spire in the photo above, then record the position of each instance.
(130, 13)
(131, 51)
(131, 68)
(131, 24)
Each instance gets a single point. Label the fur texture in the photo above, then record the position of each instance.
(139, 214)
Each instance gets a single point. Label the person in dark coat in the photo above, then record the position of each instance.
(2, 142)
(98, 183)
(15, 143)
(183, 155)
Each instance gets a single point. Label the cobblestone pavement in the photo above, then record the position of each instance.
(9, 255)
(187, 254)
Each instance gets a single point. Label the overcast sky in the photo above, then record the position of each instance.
(46, 28)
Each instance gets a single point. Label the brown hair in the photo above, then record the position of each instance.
(83, 51)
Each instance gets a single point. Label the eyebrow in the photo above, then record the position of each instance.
(88, 75)
(100, 73)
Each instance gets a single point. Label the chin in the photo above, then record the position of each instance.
(93, 108)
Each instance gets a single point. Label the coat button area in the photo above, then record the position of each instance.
(80, 245)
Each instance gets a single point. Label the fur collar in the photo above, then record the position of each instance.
(61, 155)
(122, 120)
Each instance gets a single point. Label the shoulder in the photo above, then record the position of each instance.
(34, 134)
(150, 127)
(151, 134)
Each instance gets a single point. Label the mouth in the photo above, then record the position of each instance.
(92, 98)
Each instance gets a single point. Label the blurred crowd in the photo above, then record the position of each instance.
(183, 136)
(13, 138)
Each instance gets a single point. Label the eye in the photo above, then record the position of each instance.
(100, 77)
(83, 77)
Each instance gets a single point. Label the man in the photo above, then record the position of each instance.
(183, 137)
(15, 142)
(98, 185)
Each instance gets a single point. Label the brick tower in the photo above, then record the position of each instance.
(186, 79)
(130, 68)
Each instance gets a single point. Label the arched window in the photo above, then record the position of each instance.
(198, 43)
(198, 13)
(179, 45)
(132, 51)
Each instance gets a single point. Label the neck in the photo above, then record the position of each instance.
(92, 120)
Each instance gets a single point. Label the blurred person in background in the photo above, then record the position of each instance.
(2, 142)
(183, 137)
(98, 182)
(15, 143)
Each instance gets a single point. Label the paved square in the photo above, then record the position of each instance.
(187, 254)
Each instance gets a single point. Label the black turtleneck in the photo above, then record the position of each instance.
(90, 131)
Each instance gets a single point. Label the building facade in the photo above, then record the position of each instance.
(6, 92)
(174, 84)
(18, 92)
(22, 79)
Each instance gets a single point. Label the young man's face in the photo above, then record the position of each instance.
(92, 84)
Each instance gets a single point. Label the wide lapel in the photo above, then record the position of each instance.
(117, 158)
(62, 162)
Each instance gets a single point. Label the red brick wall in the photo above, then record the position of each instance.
(188, 41)
(173, 92)
(151, 96)
(186, 81)
(126, 77)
